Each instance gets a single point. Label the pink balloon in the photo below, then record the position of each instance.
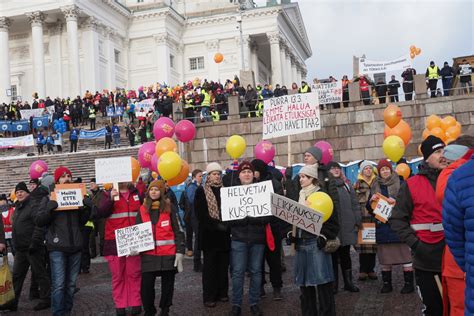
(185, 131)
(145, 153)
(265, 151)
(326, 148)
(164, 127)
(37, 169)
(154, 163)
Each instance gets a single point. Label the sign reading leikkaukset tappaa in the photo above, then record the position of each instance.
(69, 196)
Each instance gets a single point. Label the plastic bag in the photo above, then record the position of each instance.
(6, 283)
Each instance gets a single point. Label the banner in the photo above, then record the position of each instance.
(98, 133)
(69, 196)
(110, 110)
(113, 170)
(367, 66)
(15, 142)
(291, 115)
(136, 238)
(146, 105)
(297, 214)
(119, 111)
(5, 126)
(328, 92)
(40, 122)
(20, 126)
(26, 114)
(252, 200)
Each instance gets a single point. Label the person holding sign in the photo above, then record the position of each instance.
(313, 266)
(390, 250)
(126, 272)
(167, 257)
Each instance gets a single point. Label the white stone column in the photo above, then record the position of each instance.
(180, 62)
(290, 79)
(111, 76)
(126, 43)
(247, 52)
(163, 57)
(212, 67)
(274, 39)
(294, 74)
(56, 53)
(254, 60)
(36, 20)
(298, 74)
(71, 13)
(284, 68)
(90, 43)
(5, 82)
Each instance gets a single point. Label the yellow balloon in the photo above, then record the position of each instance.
(394, 148)
(322, 203)
(235, 146)
(169, 165)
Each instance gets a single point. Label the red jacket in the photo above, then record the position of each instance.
(7, 223)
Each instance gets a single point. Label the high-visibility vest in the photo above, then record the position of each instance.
(216, 117)
(163, 234)
(92, 113)
(189, 104)
(259, 106)
(124, 214)
(304, 89)
(90, 224)
(207, 99)
(433, 72)
(7, 222)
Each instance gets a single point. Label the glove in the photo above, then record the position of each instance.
(178, 262)
(87, 202)
(321, 242)
(290, 239)
(52, 205)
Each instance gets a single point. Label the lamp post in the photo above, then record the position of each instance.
(178, 114)
(239, 20)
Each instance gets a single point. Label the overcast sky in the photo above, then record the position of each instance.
(384, 30)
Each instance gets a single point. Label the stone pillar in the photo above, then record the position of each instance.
(284, 65)
(111, 81)
(126, 43)
(254, 61)
(234, 109)
(180, 62)
(56, 53)
(71, 13)
(298, 72)
(36, 20)
(294, 74)
(163, 57)
(90, 42)
(274, 39)
(289, 77)
(212, 47)
(354, 93)
(247, 52)
(5, 82)
(419, 82)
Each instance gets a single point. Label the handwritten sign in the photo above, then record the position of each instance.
(252, 200)
(383, 210)
(328, 92)
(367, 234)
(69, 196)
(297, 214)
(113, 170)
(136, 238)
(291, 115)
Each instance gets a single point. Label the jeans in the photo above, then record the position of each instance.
(64, 270)
(205, 112)
(246, 256)
(447, 85)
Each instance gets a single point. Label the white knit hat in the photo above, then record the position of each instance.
(365, 164)
(213, 166)
(310, 171)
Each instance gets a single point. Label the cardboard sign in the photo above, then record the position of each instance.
(252, 200)
(113, 170)
(367, 234)
(328, 92)
(69, 196)
(297, 214)
(136, 238)
(382, 208)
(291, 115)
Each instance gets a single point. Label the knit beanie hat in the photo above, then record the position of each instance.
(454, 152)
(363, 165)
(315, 152)
(22, 187)
(384, 163)
(333, 164)
(310, 171)
(245, 165)
(160, 184)
(260, 166)
(430, 145)
(213, 166)
(59, 172)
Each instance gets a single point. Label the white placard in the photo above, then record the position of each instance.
(367, 234)
(328, 92)
(291, 115)
(252, 200)
(113, 170)
(297, 214)
(367, 66)
(136, 238)
(383, 210)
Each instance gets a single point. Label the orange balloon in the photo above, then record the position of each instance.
(182, 176)
(13, 195)
(392, 115)
(426, 133)
(447, 122)
(453, 132)
(218, 58)
(135, 169)
(412, 55)
(165, 144)
(418, 51)
(403, 170)
(450, 140)
(402, 130)
(438, 132)
(432, 121)
(412, 48)
(108, 186)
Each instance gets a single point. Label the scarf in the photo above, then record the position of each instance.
(307, 191)
(155, 205)
(212, 205)
(392, 183)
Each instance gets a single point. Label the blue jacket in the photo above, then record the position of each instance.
(190, 194)
(74, 135)
(115, 131)
(458, 223)
(40, 140)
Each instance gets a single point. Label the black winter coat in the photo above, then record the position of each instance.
(26, 234)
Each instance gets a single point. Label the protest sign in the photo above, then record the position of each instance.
(69, 196)
(297, 214)
(328, 92)
(382, 208)
(16, 142)
(20, 126)
(98, 133)
(368, 67)
(146, 105)
(136, 238)
(366, 234)
(252, 200)
(113, 169)
(290, 115)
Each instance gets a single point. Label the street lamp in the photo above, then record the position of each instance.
(239, 20)
(178, 114)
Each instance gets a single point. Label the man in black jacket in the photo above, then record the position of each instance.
(393, 86)
(447, 73)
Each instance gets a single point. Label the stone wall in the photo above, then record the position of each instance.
(355, 132)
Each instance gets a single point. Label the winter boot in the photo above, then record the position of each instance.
(277, 294)
(387, 282)
(408, 287)
(335, 283)
(348, 285)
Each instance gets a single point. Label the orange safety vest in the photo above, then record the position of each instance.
(162, 233)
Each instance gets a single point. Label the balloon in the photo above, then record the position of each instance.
(322, 203)
(145, 153)
(412, 48)
(452, 132)
(393, 147)
(185, 131)
(182, 176)
(447, 122)
(108, 186)
(169, 165)
(13, 195)
(432, 121)
(37, 169)
(163, 127)
(403, 170)
(449, 140)
(165, 144)
(392, 115)
(418, 51)
(154, 163)
(326, 148)
(412, 55)
(426, 133)
(235, 146)
(265, 151)
(438, 132)
(135, 169)
(218, 58)
(402, 130)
